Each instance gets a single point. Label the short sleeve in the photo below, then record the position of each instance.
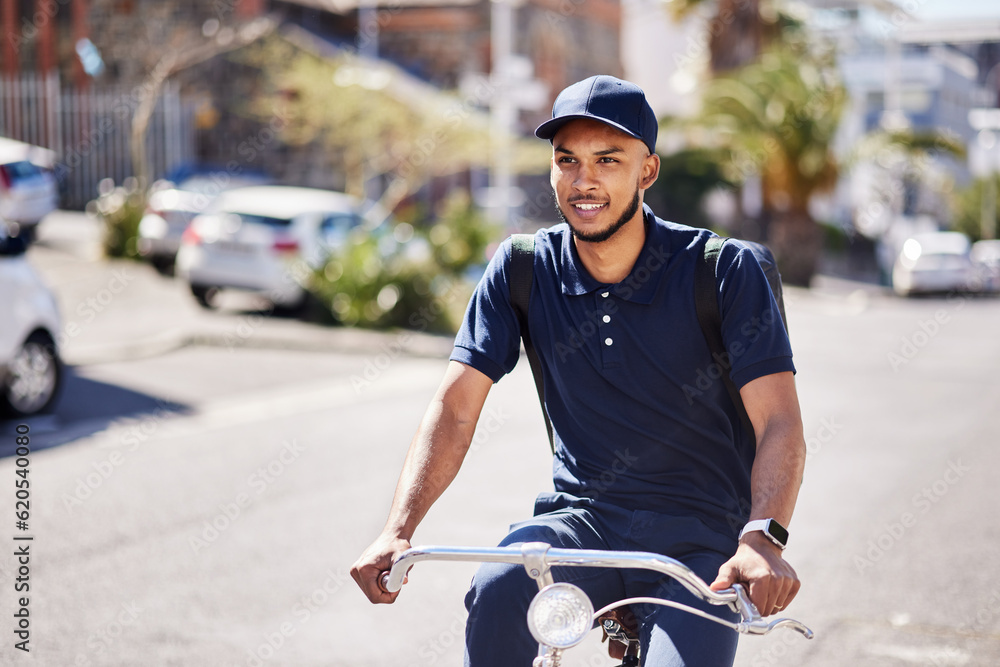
(489, 339)
(752, 329)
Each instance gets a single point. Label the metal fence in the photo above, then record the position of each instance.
(89, 129)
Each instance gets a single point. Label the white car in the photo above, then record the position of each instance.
(171, 208)
(986, 258)
(30, 369)
(934, 262)
(267, 239)
(28, 188)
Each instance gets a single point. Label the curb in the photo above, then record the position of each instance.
(342, 341)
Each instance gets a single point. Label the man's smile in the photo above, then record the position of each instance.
(588, 209)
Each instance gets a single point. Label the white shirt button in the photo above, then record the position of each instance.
(605, 294)
(608, 341)
(607, 318)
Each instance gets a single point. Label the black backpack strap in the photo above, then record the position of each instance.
(522, 274)
(706, 302)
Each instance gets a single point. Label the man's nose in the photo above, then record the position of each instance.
(586, 178)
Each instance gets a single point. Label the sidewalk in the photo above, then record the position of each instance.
(117, 310)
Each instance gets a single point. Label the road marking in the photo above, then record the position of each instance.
(405, 376)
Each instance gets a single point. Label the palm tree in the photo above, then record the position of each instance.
(735, 32)
(777, 118)
(741, 30)
(904, 157)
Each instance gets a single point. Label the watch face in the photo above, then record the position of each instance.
(777, 531)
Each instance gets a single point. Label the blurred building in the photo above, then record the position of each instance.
(902, 73)
(73, 70)
(667, 58)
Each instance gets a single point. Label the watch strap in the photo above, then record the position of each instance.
(769, 527)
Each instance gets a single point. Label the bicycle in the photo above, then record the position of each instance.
(561, 615)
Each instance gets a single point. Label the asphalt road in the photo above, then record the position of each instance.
(208, 478)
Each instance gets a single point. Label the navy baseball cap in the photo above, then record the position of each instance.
(617, 103)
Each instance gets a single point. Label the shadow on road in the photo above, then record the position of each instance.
(85, 407)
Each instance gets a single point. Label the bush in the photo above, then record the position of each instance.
(967, 207)
(120, 209)
(408, 276)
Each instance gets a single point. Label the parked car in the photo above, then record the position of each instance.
(28, 187)
(986, 258)
(934, 262)
(30, 369)
(172, 207)
(261, 239)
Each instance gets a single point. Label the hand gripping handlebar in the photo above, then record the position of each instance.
(537, 559)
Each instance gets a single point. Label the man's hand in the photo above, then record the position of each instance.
(758, 565)
(434, 458)
(376, 559)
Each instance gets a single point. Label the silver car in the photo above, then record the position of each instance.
(266, 240)
(171, 208)
(986, 258)
(28, 187)
(934, 262)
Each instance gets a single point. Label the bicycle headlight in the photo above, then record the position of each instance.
(560, 616)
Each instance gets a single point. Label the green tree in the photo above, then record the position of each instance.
(969, 203)
(908, 176)
(686, 177)
(418, 285)
(736, 32)
(777, 118)
(374, 121)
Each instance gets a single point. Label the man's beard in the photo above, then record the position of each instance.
(603, 235)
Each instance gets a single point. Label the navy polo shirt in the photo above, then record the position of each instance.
(641, 418)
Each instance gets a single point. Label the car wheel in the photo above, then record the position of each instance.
(163, 265)
(295, 307)
(33, 378)
(205, 296)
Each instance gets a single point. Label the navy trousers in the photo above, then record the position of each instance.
(497, 633)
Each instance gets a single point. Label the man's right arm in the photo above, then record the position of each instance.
(434, 458)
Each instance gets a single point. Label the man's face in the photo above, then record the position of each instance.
(598, 173)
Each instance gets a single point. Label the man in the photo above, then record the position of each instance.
(650, 453)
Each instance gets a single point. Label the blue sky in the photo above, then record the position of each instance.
(953, 9)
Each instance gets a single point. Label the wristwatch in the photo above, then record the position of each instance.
(774, 531)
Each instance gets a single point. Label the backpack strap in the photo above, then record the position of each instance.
(522, 274)
(706, 302)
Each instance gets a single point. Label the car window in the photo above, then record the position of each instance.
(335, 227)
(263, 220)
(18, 170)
(339, 222)
(941, 262)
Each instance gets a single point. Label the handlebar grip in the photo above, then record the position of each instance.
(383, 581)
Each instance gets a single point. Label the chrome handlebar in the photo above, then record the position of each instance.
(538, 558)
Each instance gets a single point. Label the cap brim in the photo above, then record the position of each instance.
(549, 128)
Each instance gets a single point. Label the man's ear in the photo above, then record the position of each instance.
(650, 171)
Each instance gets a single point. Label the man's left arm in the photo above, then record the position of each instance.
(773, 407)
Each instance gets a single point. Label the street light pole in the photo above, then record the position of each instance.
(502, 108)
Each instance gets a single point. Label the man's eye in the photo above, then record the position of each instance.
(608, 160)
(566, 160)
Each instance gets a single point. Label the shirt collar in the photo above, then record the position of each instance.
(641, 283)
